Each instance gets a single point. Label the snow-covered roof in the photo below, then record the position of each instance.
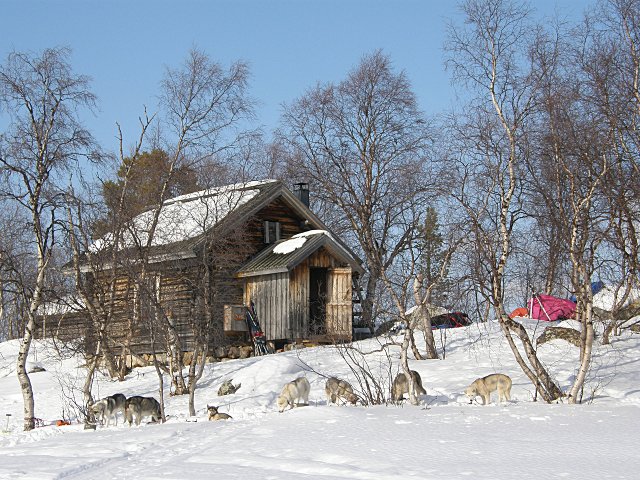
(185, 217)
(297, 241)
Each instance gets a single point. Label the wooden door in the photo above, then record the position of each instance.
(339, 311)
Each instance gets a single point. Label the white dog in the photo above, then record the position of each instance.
(485, 385)
(109, 407)
(339, 389)
(292, 392)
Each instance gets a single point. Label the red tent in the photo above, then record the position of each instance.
(550, 308)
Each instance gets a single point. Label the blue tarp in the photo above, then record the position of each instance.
(595, 288)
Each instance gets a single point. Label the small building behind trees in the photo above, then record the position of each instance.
(213, 252)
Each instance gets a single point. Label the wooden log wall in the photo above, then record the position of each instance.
(176, 297)
(67, 326)
(270, 295)
(322, 259)
(277, 211)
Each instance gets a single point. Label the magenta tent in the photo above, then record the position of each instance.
(550, 308)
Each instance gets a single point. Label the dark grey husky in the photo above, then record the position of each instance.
(140, 407)
(109, 407)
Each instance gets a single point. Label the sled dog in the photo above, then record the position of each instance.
(140, 407)
(401, 386)
(215, 415)
(109, 407)
(485, 385)
(292, 392)
(337, 389)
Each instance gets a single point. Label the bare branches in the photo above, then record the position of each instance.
(363, 145)
(202, 107)
(44, 139)
(202, 103)
(490, 53)
(373, 373)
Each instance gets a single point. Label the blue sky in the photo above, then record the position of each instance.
(124, 45)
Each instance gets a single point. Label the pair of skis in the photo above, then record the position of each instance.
(260, 346)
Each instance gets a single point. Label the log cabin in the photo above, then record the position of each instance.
(215, 251)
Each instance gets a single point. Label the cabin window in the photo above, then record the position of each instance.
(271, 231)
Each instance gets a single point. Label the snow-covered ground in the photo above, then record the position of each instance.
(445, 437)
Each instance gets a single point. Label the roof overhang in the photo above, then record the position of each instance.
(269, 262)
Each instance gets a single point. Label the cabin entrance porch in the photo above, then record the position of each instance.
(317, 301)
(303, 293)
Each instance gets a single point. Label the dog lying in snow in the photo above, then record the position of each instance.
(109, 407)
(292, 392)
(337, 389)
(484, 386)
(215, 415)
(401, 386)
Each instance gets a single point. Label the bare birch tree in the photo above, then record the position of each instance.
(42, 97)
(615, 78)
(94, 267)
(397, 285)
(489, 56)
(221, 251)
(577, 146)
(362, 144)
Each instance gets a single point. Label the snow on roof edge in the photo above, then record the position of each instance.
(217, 191)
(297, 241)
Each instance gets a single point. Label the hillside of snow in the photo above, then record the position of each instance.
(444, 437)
